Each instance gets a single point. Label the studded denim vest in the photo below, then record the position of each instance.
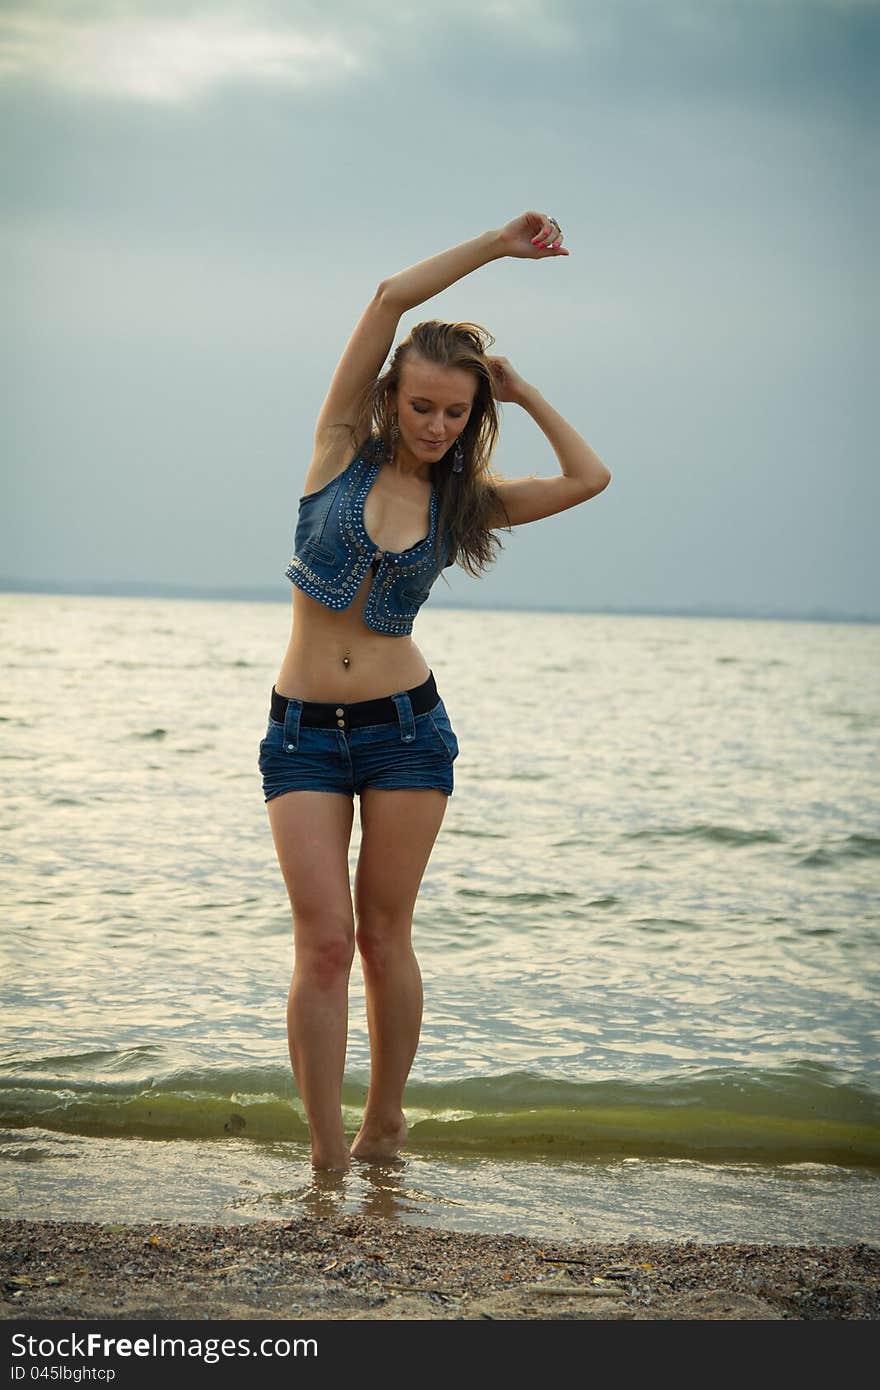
(332, 551)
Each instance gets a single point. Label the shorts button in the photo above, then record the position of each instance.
(290, 747)
(341, 723)
(340, 711)
(407, 738)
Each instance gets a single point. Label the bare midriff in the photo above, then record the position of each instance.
(333, 655)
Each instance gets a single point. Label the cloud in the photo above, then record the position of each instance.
(553, 56)
(172, 53)
(164, 58)
(176, 52)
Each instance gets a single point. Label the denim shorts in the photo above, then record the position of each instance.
(330, 748)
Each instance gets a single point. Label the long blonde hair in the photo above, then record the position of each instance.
(466, 498)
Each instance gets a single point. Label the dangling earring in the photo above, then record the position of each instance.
(395, 435)
(458, 459)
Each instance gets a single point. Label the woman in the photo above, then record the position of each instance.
(398, 489)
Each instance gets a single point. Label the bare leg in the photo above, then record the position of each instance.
(312, 832)
(399, 830)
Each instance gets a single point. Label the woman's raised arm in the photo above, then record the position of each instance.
(524, 237)
(531, 236)
(371, 341)
(359, 365)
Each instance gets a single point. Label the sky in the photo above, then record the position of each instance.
(199, 199)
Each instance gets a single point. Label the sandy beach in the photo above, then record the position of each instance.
(369, 1268)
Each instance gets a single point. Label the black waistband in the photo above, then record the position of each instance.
(361, 712)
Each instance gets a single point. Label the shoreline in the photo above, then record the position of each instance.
(368, 1267)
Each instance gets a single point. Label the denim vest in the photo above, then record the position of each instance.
(332, 551)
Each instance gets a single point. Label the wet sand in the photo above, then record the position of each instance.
(370, 1268)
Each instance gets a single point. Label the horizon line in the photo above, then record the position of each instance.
(265, 594)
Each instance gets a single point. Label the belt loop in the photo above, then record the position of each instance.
(403, 705)
(291, 725)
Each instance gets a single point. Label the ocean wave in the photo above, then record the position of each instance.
(802, 1113)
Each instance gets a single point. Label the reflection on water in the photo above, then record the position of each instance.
(235, 1181)
(660, 857)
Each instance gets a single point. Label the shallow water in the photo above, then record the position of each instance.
(647, 932)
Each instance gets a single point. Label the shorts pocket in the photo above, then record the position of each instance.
(444, 730)
(273, 741)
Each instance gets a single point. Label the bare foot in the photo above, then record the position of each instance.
(376, 1143)
(331, 1163)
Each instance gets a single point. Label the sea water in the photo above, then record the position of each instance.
(647, 931)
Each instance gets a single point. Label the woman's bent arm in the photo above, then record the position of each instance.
(420, 282)
(583, 476)
(520, 500)
(576, 459)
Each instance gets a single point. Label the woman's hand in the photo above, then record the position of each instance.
(507, 384)
(534, 236)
